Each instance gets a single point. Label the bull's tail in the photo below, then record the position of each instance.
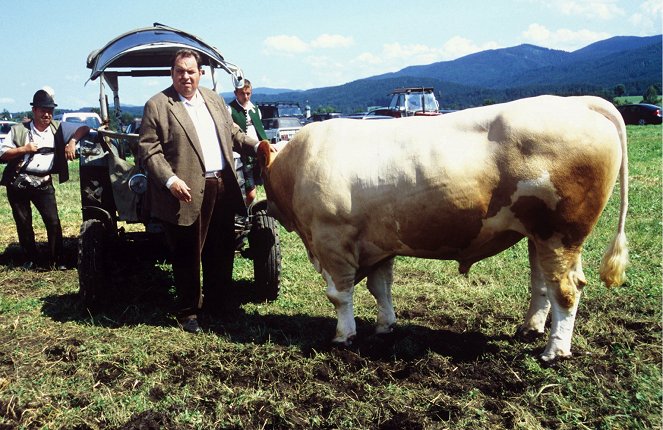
(615, 259)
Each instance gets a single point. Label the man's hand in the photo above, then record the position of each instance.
(30, 148)
(180, 190)
(70, 149)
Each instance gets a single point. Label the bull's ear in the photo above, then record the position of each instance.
(264, 154)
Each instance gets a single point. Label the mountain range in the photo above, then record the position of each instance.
(500, 75)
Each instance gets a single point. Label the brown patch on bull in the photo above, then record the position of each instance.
(500, 241)
(542, 222)
(567, 293)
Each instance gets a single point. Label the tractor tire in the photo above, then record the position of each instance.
(265, 249)
(92, 248)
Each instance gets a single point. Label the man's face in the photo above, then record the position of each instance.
(42, 117)
(186, 76)
(243, 95)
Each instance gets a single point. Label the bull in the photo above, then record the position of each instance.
(462, 186)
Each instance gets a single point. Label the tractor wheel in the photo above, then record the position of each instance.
(265, 249)
(92, 247)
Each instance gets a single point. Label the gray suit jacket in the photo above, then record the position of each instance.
(169, 145)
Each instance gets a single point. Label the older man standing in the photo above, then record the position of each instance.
(186, 143)
(34, 151)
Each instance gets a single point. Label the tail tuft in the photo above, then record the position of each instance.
(615, 260)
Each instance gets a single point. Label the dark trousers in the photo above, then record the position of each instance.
(20, 200)
(210, 241)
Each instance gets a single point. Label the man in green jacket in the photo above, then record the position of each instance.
(247, 116)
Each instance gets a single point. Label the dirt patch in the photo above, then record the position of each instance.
(150, 420)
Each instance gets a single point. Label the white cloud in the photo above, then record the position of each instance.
(399, 55)
(285, 44)
(647, 18)
(396, 56)
(562, 38)
(291, 45)
(369, 58)
(325, 69)
(7, 100)
(332, 41)
(457, 47)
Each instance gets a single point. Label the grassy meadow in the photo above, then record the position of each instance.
(451, 363)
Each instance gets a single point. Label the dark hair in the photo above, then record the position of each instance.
(186, 53)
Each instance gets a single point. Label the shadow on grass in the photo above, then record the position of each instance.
(310, 334)
(138, 291)
(13, 256)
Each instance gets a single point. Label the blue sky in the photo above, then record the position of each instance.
(295, 44)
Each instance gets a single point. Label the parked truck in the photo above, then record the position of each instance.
(411, 101)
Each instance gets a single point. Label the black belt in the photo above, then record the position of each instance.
(218, 174)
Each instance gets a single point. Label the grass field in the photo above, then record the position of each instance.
(632, 99)
(451, 363)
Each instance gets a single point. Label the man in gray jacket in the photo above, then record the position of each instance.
(186, 143)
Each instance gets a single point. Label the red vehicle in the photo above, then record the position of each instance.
(410, 102)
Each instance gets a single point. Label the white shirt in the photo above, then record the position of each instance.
(41, 163)
(206, 131)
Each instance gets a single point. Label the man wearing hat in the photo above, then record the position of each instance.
(34, 151)
(247, 116)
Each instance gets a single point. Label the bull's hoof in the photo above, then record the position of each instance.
(550, 359)
(382, 330)
(343, 343)
(528, 335)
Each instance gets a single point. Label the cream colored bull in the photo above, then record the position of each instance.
(462, 186)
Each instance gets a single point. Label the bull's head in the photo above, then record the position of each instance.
(265, 156)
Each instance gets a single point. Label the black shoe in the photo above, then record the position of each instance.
(190, 325)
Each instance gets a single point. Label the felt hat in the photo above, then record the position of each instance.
(43, 99)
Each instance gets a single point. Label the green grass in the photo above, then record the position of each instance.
(452, 362)
(632, 100)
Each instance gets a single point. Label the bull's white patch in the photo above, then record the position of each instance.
(542, 188)
(561, 331)
(346, 327)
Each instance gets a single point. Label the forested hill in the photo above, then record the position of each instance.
(503, 74)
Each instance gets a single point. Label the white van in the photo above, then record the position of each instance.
(90, 119)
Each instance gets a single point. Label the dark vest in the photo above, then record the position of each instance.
(239, 117)
(60, 166)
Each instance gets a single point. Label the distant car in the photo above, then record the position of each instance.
(640, 114)
(325, 116)
(134, 126)
(368, 115)
(91, 119)
(281, 129)
(409, 101)
(4, 129)
(129, 144)
(280, 109)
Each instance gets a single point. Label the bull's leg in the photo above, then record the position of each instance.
(379, 284)
(336, 252)
(539, 305)
(565, 279)
(341, 298)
